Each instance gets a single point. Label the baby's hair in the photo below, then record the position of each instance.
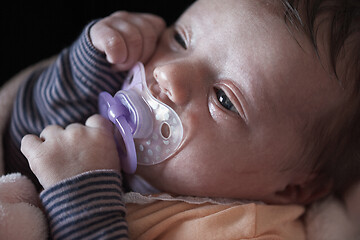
(343, 16)
(336, 146)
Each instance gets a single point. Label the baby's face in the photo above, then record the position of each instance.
(245, 91)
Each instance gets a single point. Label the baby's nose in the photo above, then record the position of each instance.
(174, 81)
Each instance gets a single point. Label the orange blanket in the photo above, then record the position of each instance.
(183, 220)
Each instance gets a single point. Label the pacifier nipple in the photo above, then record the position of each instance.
(151, 130)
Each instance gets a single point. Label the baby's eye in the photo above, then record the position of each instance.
(180, 40)
(225, 101)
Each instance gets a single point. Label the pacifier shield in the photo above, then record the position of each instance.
(152, 131)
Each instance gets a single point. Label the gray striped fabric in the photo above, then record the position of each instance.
(87, 206)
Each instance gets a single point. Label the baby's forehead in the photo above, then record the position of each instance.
(231, 13)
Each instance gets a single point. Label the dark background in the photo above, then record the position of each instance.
(34, 30)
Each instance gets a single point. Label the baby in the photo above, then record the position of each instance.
(269, 104)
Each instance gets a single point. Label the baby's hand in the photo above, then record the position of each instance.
(62, 153)
(126, 38)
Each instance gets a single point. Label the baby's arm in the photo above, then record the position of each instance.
(67, 91)
(79, 169)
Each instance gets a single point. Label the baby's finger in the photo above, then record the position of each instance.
(158, 24)
(134, 43)
(97, 121)
(150, 27)
(74, 126)
(29, 144)
(50, 131)
(141, 32)
(109, 41)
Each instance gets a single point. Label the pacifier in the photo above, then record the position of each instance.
(151, 130)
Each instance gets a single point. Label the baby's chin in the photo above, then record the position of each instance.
(153, 176)
(158, 177)
(150, 173)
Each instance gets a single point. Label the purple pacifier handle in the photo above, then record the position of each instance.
(117, 113)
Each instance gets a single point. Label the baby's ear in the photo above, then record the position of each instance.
(313, 188)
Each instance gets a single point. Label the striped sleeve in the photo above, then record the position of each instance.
(65, 92)
(62, 93)
(87, 206)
